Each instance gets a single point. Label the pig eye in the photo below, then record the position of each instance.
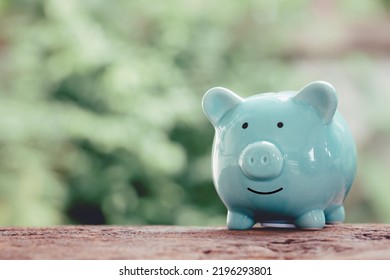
(245, 125)
(280, 124)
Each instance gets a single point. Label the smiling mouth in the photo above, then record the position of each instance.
(265, 193)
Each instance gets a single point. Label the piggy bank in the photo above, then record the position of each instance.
(284, 159)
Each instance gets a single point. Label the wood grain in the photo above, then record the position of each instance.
(346, 241)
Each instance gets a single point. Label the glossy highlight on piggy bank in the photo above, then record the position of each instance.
(284, 159)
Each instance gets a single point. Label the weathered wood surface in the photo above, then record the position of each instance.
(346, 241)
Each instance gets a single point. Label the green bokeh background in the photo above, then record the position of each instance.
(100, 116)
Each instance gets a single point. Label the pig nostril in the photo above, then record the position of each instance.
(264, 160)
(252, 160)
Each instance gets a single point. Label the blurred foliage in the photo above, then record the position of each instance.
(100, 118)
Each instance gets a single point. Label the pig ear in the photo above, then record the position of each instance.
(322, 96)
(217, 102)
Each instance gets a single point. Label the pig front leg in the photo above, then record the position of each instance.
(237, 220)
(314, 219)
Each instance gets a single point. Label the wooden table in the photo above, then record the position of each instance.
(346, 241)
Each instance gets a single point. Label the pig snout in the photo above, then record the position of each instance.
(261, 161)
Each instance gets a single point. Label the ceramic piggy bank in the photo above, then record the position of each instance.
(284, 159)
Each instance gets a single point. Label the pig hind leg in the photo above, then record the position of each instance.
(335, 214)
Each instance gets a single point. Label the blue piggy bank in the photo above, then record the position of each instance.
(284, 159)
